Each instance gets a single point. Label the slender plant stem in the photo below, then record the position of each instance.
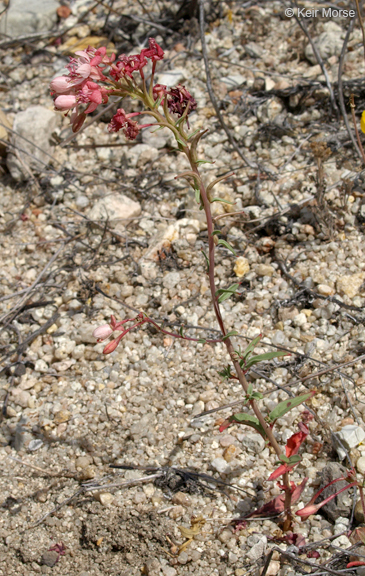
(352, 106)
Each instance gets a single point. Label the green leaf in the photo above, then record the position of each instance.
(206, 259)
(203, 162)
(216, 232)
(197, 195)
(287, 405)
(231, 333)
(181, 331)
(179, 141)
(266, 356)
(158, 102)
(194, 133)
(224, 294)
(202, 341)
(249, 420)
(221, 200)
(226, 373)
(224, 243)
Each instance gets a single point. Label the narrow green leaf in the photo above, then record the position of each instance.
(206, 259)
(287, 405)
(224, 243)
(249, 420)
(231, 333)
(158, 102)
(251, 346)
(231, 289)
(221, 200)
(181, 331)
(224, 294)
(194, 133)
(203, 162)
(266, 356)
(216, 232)
(179, 141)
(202, 341)
(197, 195)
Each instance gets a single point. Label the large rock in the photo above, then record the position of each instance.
(33, 129)
(23, 18)
(118, 208)
(340, 505)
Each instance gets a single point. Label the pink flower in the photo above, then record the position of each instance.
(88, 64)
(102, 332)
(122, 121)
(93, 94)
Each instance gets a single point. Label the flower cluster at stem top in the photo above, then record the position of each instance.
(93, 77)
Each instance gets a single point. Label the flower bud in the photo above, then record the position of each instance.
(102, 332)
(61, 85)
(65, 103)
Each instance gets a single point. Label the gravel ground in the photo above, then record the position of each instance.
(70, 412)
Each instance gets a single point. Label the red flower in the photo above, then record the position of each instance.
(154, 52)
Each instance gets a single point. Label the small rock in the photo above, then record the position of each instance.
(168, 571)
(264, 270)
(241, 267)
(181, 498)
(63, 365)
(257, 545)
(300, 319)
(41, 366)
(350, 285)
(177, 512)
(117, 207)
(83, 461)
(105, 498)
(227, 440)
(360, 465)
(253, 442)
(254, 50)
(273, 568)
(49, 558)
(171, 279)
(62, 416)
(325, 290)
(183, 558)
(229, 453)
(269, 110)
(35, 445)
(350, 436)
(221, 466)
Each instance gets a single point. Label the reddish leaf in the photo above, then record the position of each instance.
(292, 446)
(276, 506)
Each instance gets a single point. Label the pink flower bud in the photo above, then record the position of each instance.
(102, 332)
(65, 103)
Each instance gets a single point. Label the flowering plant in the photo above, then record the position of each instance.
(95, 77)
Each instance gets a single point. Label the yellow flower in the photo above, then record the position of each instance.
(362, 123)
